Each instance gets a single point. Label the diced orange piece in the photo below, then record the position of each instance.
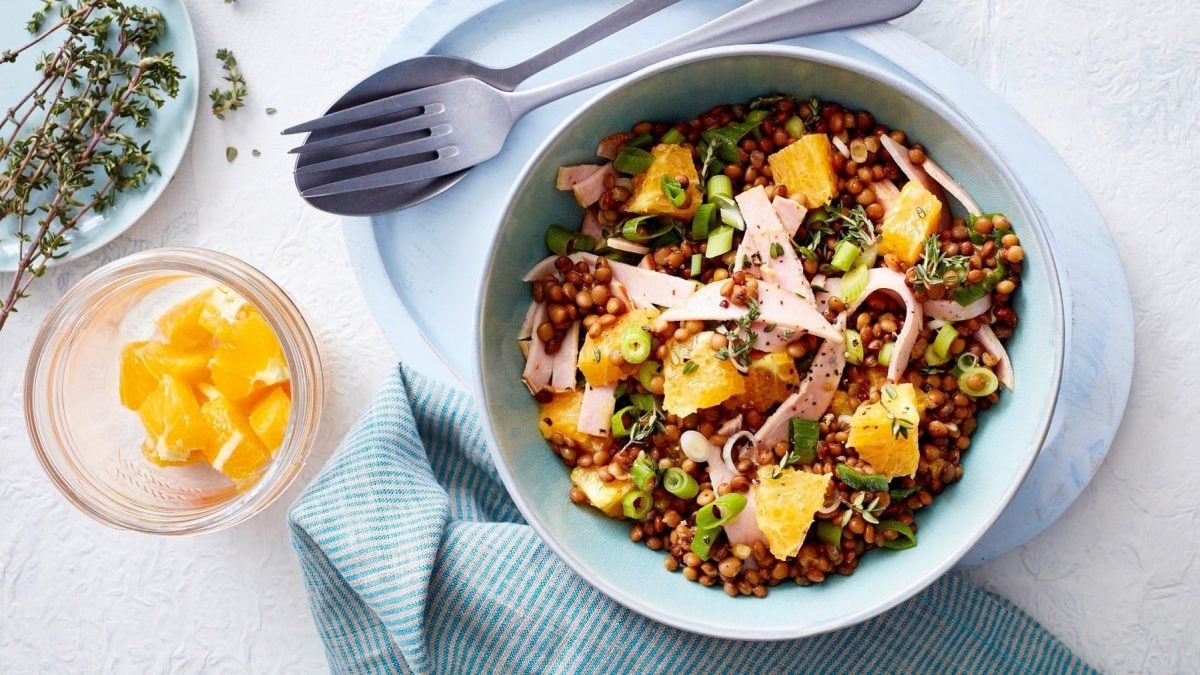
(885, 433)
(771, 379)
(784, 506)
(648, 196)
(144, 363)
(248, 359)
(910, 222)
(561, 416)
(594, 363)
(180, 325)
(233, 448)
(688, 388)
(604, 495)
(806, 168)
(173, 422)
(269, 418)
(222, 310)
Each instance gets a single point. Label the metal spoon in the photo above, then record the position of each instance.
(425, 71)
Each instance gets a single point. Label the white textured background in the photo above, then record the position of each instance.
(1115, 87)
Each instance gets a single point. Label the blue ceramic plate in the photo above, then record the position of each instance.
(1003, 448)
(169, 134)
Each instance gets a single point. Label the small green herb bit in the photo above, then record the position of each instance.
(64, 145)
(230, 153)
(271, 111)
(227, 100)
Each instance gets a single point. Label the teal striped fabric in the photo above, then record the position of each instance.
(416, 560)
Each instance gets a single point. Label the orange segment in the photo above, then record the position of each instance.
(648, 196)
(806, 168)
(885, 433)
(269, 418)
(222, 310)
(594, 363)
(144, 363)
(771, 379)
(249, 359)
(180, 325)
(910, 222)
(233, 449)
(704, 384)
(173, 422)
(784, 506)
(560, 415)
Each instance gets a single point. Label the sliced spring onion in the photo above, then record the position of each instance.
(805, 436)
(632, 160)
(906, 539)
(868, 257)
(830, 533)
(977, 382)
(674, 191)
(776, 249)
(647, 372)
(635, 344)
(903, 493)
(794, 127)
(885, 353)
(720, 511)
(854, 283)
(673, 137)
(733, 218)
(643, 402)
(932, 358)
(679, 483)
(695, 445)
(844, 256)
(945, 337)
(854, 347)
(636, 504)
(965, 295)
(639, 141)
(643, 472)
(703, 220)
(697, 261)
(561, 241)
(720, 242)
(720, 186)
(618, 421)
(630, 229)
(858, 480)
(967, 361)
(702, 542)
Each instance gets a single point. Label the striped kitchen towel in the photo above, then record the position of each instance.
(417, 561)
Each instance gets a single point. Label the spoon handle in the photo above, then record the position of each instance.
(624, 16)
(756, 21)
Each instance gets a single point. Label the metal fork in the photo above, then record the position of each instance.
(466, 122)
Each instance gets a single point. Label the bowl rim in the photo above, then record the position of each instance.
(301, 346)
(1030, 214)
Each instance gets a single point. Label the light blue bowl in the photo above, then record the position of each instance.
(599, 549)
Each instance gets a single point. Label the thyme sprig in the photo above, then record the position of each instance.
(901, 426)
(869, 511)
(741, 339)
(935, 269)
(228, 100)
(650, 423)
(64, 152)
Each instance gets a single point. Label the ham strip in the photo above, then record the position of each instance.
(813, 397)
(772, 341)
(949, 310)
(562, 376)
(952, 186)
(1004, 370)
(899, 155)
(570, 176)
(610, 145)
(528, 326)
(731, 427)
(589, 190)
(887, 193)
(743, 529)
(647, 287)
(627, 246)
(591, 226)
(596, 410)
(791, 214)
(538, 364)
(764, 231)
(621, 293)
(546, 265)
(884, 279)
(777, 306)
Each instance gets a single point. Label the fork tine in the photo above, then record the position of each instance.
(408, 174)
(428, 144)
(425, 120)
(370, 110)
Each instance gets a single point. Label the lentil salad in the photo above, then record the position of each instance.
(768, 342)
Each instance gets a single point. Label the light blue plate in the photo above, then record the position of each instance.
(168, 134)
(419, 269)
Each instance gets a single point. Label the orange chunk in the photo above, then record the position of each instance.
(784, 506)
(249, 359)
(910, 222)
(222, 310)
(885, 433)
(561, 416)
(806, 168)
(144, 363)
(233, 448)
(594, 360)
(605, 496)
(269, 418)
(648, 196)
(688, 388)
(173, 421)
(770, 380)
(180, 325)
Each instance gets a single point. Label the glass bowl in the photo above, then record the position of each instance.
(90, 445)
